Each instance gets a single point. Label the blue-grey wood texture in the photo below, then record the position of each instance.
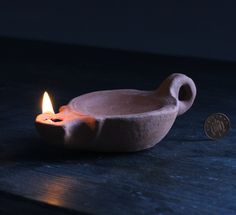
(186, 173)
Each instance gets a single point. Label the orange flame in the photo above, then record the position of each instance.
(47, 104)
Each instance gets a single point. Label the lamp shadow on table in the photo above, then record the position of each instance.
(35, 149)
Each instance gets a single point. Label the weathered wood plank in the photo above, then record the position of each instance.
(185, 173)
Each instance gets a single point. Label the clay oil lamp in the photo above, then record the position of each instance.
(122, 120)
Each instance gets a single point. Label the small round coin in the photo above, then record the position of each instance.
(216, 125)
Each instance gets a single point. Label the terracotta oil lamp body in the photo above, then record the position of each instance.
(123, 120)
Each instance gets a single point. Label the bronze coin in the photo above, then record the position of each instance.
(216, 125)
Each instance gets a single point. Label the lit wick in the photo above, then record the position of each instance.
(47, 105)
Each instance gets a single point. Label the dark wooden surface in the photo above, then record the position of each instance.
(186, 173)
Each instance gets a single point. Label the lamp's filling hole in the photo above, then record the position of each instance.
(56, 120)
(53, 119)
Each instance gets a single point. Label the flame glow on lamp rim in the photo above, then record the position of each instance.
(47, 104)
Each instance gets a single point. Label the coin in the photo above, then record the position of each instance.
(216, 125)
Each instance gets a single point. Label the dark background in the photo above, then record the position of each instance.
(187, 28)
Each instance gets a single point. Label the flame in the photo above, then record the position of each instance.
(47, 104)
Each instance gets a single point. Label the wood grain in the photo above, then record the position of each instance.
(185, 173)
